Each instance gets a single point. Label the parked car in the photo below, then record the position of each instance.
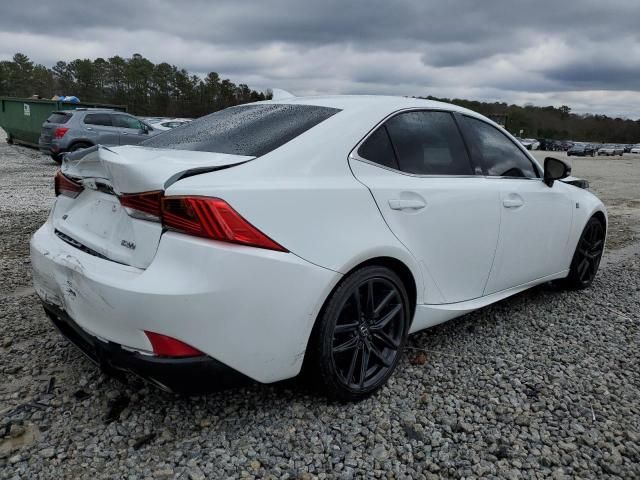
(635, 149)
(581, 150)
(70, 130)
(627, 148)
(270, 235)
(530, 143)
(610, 150)
(169, 123)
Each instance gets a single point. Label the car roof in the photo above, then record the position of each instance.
(373, 104)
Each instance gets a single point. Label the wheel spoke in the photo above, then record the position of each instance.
(385, 339)
(379, 355)
(346, 346)
(370, 305)
(346, 328)
(583, 268)
(352, 366)
(384, 321)
(364, 365)
(356, 294)
(383, 303)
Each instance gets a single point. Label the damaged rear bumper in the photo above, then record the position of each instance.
(190, 376)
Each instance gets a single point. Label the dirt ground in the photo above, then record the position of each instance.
(544, 384)
(616, 180)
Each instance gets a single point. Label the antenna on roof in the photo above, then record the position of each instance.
(279, 94)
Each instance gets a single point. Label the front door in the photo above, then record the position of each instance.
(418, 171)
(535, 220)
(131, 129)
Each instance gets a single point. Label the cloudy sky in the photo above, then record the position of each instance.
(582, 53)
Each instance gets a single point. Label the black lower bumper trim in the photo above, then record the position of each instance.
(189, 376)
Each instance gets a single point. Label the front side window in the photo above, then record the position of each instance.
(251, 130)
(428, 143)
(497, 154)
(101, 119)
(125, 121)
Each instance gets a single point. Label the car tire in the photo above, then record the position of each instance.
(79, 146)
(360, 334)
(587, 256)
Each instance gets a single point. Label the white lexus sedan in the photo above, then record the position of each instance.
(307, 231)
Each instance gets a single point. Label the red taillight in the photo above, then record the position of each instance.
(199, 216)
(143, 205)
(65, 186)
(59, 132)
(165, 346)
(212, 218)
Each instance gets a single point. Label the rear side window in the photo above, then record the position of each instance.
(497, 154)
(59, 117)
(377, 148)
(103, 119)
(251, 130)
(125, 121)
(428, 143)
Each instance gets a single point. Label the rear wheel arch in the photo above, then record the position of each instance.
(76, 143)
(397, 266)
(315, 356)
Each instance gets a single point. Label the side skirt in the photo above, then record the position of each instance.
(429, 315)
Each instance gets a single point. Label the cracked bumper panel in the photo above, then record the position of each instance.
(249, 308)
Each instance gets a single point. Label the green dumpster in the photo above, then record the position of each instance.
(22, 118)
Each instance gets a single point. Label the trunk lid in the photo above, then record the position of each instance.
(96, 222)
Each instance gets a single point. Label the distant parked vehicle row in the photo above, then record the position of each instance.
(635, 149)
(70, 130)
(582, 150)
(611, 150)
(529, 143)
(166, 123)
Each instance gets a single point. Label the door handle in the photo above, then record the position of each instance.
(400, 204)
(124, 133)
(89, 128)
(513, 202)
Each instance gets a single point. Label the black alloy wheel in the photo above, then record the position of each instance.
(587, 256)
(361, 333)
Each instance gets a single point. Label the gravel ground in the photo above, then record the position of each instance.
(544, 384)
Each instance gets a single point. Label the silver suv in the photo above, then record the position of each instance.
(70, 130)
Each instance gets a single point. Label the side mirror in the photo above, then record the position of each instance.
(144, 129)
(555, 169)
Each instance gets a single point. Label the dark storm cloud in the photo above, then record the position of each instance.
(511, 50)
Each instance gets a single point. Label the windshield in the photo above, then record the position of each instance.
(251, 130)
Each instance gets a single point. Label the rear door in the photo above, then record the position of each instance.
(131, 129)
(535, 219)
(418, 170)
(99, 128)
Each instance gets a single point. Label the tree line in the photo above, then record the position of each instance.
(166, 90)
(146, 88)
(556, 123)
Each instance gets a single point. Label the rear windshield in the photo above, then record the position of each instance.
(251, 130)
(59, 117)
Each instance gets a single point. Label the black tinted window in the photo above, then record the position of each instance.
(251, 130)
(125, 121)
(58, 117)
(98, 119)
(498, 155)
(428, 143)
(378, 149)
